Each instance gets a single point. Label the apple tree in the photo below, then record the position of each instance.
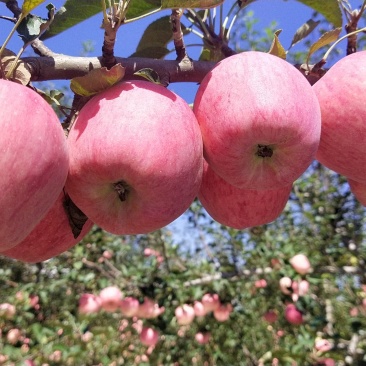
(138, 229)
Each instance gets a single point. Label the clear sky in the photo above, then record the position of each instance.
(289, 15)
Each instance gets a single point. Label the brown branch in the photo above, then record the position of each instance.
(63, 67)
(179, 45)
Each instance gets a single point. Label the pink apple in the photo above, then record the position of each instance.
(184, 314)
(14, 335)
(202, 338)
(300, 264)
(89, 304)
(262, 283)
(240, 208)
(135, 158)
(270, 316)
(110, 298)
(285, 285)
(340, 93)
(7, 310)
(149, 309)
(222, 313)
(199, 309)
(149, 336)
(34, 161)
(210, 302)
(51, 237)
(358, 189)
(260, 121)
(322, 345)
(293, 315)
(129, 306)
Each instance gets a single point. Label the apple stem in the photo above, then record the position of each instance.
(122, 190)
(264, 151)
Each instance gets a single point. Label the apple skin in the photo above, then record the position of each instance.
(51, 237)
(34, 161)
(359, 190)
(240, 208)
(340, 93)
(252, 105)
(146, 137)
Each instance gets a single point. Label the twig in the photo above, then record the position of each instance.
(97, 267)
(179, 45)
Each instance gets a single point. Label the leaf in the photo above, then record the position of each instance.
(150, 75)
(53, 96)
(31, 27)
(200, 4)
(29, 5)
(76, 12)
(21, 73)
(155, 39)
(97, 80)
(304, 31)
(276, 47)
(325, 39)
(329, 9)
(76, 217)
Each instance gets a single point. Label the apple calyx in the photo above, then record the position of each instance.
(264, 151)
(122, 190)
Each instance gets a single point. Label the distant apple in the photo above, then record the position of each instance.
(184, 314)
(51, 237)
(135, 158)
(149, 336)
(34, 161)
(293, 315)
(340, 93)
(260, 121)
(240, 208)
(110, 298)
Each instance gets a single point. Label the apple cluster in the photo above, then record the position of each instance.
(137, 155)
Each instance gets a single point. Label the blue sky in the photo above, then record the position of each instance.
(289, 15)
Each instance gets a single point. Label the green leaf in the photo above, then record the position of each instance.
(29, 5)
(97, 80)
(329, 9)
(153, 42)
(304, 31)
(325, 39)
(31, 27)
(76, 12)
(276, 47)
(139, 8)
(149, 74)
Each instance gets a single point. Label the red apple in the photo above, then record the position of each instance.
(34, 161)
(129, 306)
(110, 298)
(135, 158)
(293, 315)
(240, 208)
(210, 302)
(184, 314)
(89, 304)
(149, 336)
(202, 338)
(359, 190)
(260, 121)
(222, 313)
(340, 93)
(51, 237)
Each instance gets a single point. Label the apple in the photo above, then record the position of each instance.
(293, 315)
(110, 298)
(340, 93)
(135, 158)
(285, 285)
(210, 302)
(359, 190)
(222, 313)
(260, 121)
(149, 309)
(51, 237)
(129, 306)
(89, 304)
(270, 316)
(149, 336)
(240, 208)
(184, 314)
(34, 161)
(202, 338)
(300, 263)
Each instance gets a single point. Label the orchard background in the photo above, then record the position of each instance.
(43, 316)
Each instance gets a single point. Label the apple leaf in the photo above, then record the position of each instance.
(325, 39)
(21, 73)
(304, 31)
(329, 9)
(276, 47)
(29, 5)
(53, 96)
(76, 217)
(150, 75)
(201, 4)
(97, 80)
